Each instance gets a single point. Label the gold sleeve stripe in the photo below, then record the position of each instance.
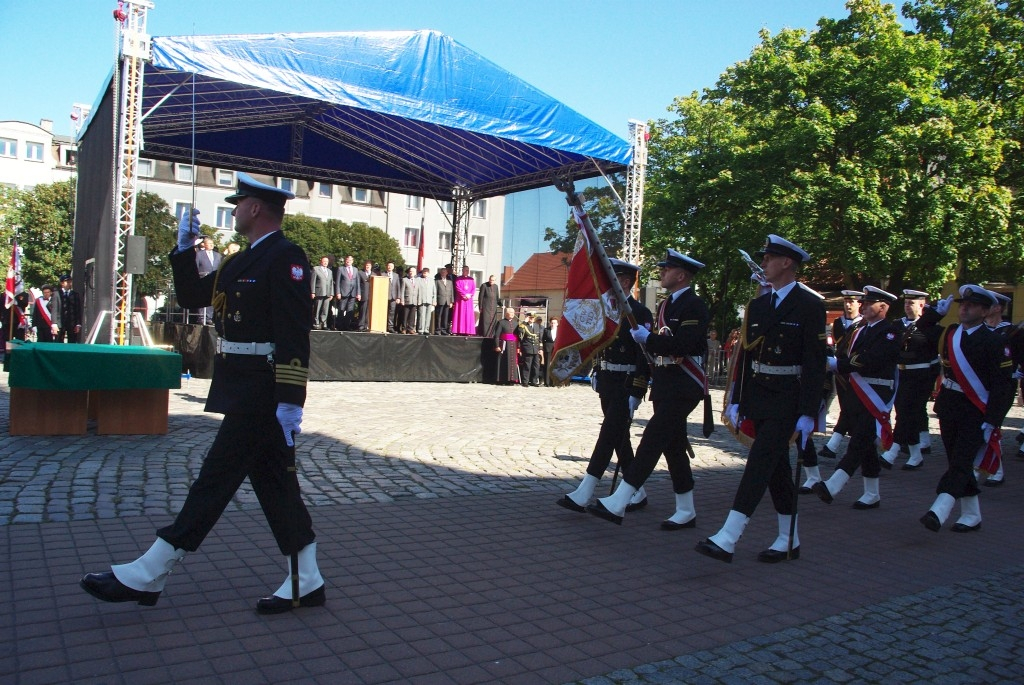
(291, 374)
(822, 336)
(1004, 365)
(691, 322)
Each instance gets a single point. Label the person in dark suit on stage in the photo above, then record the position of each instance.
(263, 316)
(70, 312)
(46, 315)
(866, 362)
(678, 385)
(445, 298)
(346, 292)
(547, 340)
(363, 295)
(780, 373)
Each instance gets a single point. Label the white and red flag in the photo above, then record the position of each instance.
(590, 320)
(14, 283)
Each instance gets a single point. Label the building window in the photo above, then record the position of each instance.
(225, 218)
(226, 178)
(34, 152)
(70, 157)
(361, 195)
(326, 190)
(476, 244)
(479, 210)
(412, 237)
(183, 173)
(478, 276)
(286, 184)
(145, 168)
(180, 209)
(8, 147)
(444, 241)
(413, 202)
(447, 206)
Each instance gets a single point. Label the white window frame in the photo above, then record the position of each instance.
(479, 209)
(8, 147)
(184, 173)
(286, 184)
(224, 218)
(478, 276)
(180, 207)
(326, 190)
(413, 202)
(448, 206)
(360, 195)
(145, 168)
(413, 232)
(226, 178)
(33, 151)
(473, 239)
(444, 241)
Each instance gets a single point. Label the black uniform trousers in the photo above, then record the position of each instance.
(845, 397)
(861, 452)
(911, 405)
(665, 434)
(246, 445)
(614, 433)
(960, 427)
(768, 468)
(529, 368)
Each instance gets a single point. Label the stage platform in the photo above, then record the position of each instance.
(350, 356)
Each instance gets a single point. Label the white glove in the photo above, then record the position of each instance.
(639, 334)
(290, 418)
(634, 404)
(942, 306)
(732, 413)
(986, 431)
(804, 426)
(188, 230)
(833, 364)
(593, 380)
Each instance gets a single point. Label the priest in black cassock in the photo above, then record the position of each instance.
(506, 345)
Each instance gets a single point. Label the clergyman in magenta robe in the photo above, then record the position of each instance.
(463, 318)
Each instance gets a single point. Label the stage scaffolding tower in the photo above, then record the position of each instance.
(634, 203)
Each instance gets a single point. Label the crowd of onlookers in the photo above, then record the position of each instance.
(45, 314)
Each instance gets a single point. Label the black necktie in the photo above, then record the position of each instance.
(775, 300)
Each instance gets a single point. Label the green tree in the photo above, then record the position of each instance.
(337, 238)
(602, 208)
(43, 221)
(154, 220)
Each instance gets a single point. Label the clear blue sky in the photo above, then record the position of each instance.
(610, 60)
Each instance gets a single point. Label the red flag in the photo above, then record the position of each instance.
(14, 283)
(591, 317)
(419, 257)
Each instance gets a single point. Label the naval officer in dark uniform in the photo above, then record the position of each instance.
(678, 347)
(263, 314)
(976, 394)
(840, 327)
(778, 386)
(620, 379)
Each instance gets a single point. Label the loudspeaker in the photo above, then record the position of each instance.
(135, 254)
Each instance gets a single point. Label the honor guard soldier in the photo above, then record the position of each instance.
(1010, 334)
(867, 363)
(976, 393)
(620, 379)
(263, 315)
(778, 386)
(678, 385)
(919, 367)
(841, 327)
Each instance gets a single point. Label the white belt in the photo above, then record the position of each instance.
(665, 361)
(253, 348)
(951, 384)
(628, 368)
(911, 367)
(884, 382)
(770, 370)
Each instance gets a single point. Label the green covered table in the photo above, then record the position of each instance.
(56, 387)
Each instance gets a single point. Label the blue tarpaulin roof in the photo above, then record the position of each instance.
(404, 111)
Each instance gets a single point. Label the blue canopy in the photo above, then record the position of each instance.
(404, 111)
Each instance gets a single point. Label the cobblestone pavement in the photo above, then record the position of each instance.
(449, 563)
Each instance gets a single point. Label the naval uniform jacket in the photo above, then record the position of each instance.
(625, 352)
(686, 321)
(261, 295)
(792, 334)
(872, 351)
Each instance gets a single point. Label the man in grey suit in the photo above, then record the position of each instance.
(321, 285)
(207, 261)
(394, 294)
(346, 291)
(444, 299)
(426, 298)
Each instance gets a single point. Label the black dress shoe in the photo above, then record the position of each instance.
(993, 483)
(804, 490)
(912, 467)
(637, 506)
(826, 453)
(279, 605)
(107, 587)
(931, 521)
(964, 528)
(821, 490)
(710, 549)
(862, 506)
(672, 525)
(884, 463)
(774, 556)
(598, 509)
(567, 502)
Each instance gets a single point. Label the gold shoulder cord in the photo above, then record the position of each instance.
(219, 301)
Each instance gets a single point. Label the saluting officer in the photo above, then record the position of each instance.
(620, 379)
(975, 395)
(678, 384)
(840, 328)
(919, 367)
(779, 378)
(263, 315)
(868, 365)
(1011, 335)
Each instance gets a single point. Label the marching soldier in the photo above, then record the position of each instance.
(678, 385)
(778, 386)
(867, 363)
(263, 315)
(620, 379)
(919, 367)
(840, 328)
(976, 393)
(1004, 329)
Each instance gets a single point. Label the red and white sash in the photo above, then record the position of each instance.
(881, 411)
(42, 309)
(990, 455)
